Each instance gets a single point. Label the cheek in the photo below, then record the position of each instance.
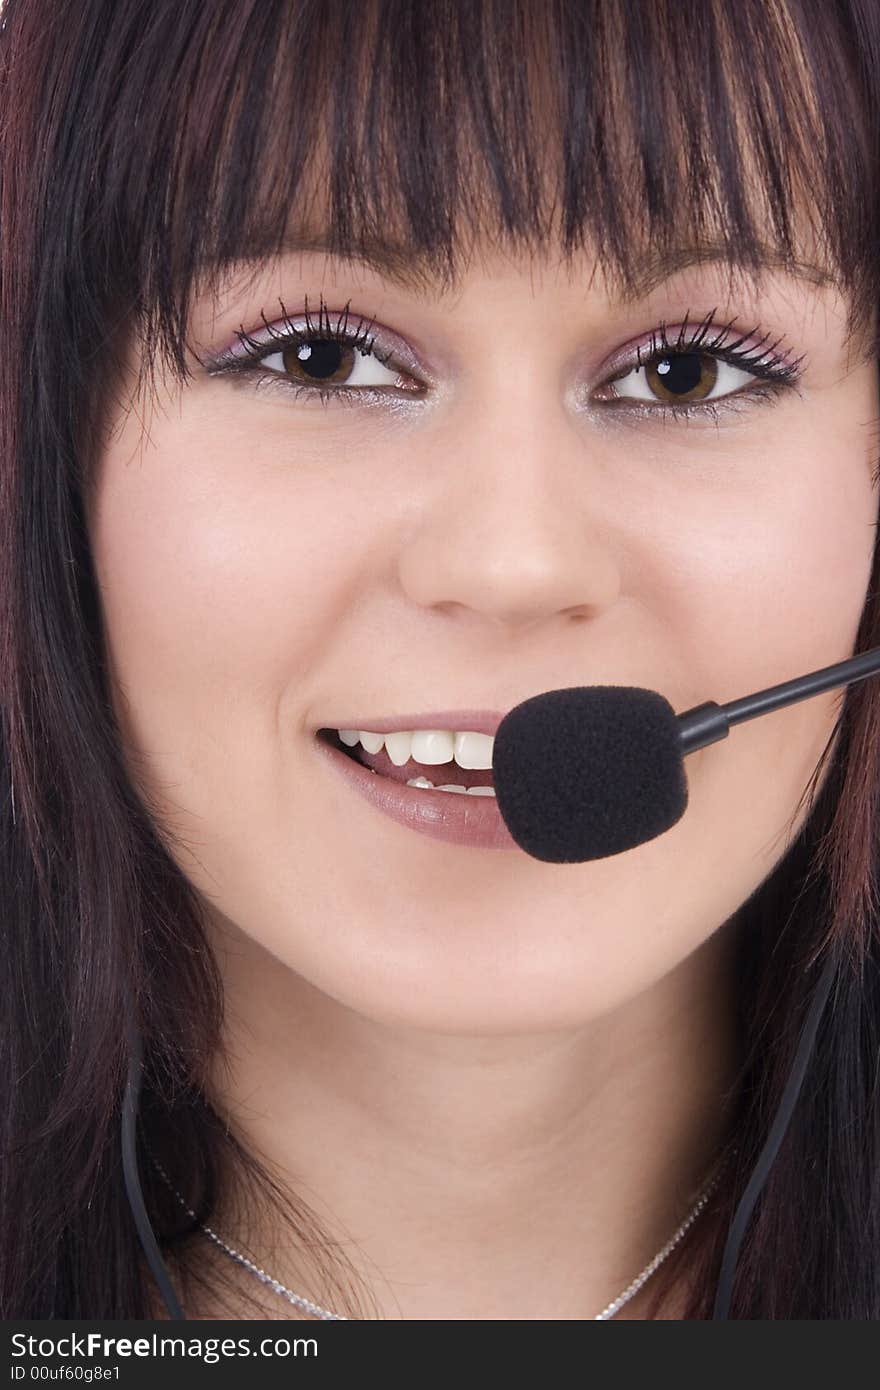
(765, 575)
(220, 581)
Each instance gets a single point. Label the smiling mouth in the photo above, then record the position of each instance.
(441, 774)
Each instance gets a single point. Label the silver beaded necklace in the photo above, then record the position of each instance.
(309, 1307)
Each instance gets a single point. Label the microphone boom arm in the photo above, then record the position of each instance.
(710, 722)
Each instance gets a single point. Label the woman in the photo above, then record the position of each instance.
(596, 283)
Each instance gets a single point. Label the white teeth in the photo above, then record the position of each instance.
(398, 746)
(474, 750)
(432, 747)
(468, 791)
(372, 742)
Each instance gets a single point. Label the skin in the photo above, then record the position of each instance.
(500, 1080)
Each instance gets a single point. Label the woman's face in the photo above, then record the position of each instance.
(495, 526)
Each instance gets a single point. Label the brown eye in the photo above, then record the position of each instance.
(321, 360)
(679, 378)
(682, 377)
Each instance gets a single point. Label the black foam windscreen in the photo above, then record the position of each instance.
(589, 771)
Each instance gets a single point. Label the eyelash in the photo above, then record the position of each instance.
(774, 373)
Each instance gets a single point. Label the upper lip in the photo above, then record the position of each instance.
(478, 721)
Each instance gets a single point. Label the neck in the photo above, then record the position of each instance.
(480, 1177)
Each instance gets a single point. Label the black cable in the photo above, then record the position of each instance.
(780, 1124)
(130, 1170)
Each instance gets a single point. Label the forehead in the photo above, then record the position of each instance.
(309, 259)
(401, 204)
(478, 247)
(388, 248)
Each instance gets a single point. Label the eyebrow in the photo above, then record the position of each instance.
(400, 266)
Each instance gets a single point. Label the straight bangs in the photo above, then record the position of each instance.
(646, 134)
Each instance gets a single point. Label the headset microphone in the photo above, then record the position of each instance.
(589, 771)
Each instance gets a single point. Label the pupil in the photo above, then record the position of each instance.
(321, 357)
(681, 374)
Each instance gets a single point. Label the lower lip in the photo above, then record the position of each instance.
(455, 817)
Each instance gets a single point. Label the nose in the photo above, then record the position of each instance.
(512, 527)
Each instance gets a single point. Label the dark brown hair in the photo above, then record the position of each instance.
(145, 149)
